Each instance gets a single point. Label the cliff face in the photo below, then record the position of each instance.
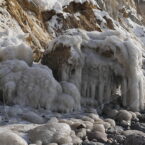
(97, 46)
(25, 17)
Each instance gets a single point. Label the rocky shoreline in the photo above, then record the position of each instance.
(114, 126)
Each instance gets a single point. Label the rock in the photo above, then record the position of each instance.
(32, 117)
(118, 129)
(53, 119)
(52, 144)
(69, 122)
(120, 139)
(99, 136)
(141, 117)
(75, 140)
(125, 124)
(138, 126)
(133, 115)
(124, 115)
(10, 138)
(134, 137)
(99, 128)
(77, 125)
(81, 133)
(68, 144)
(111, 121)
(107, 125)
(80, 129)
(95, 117)
(89, 125)
(38, 142)
(91, 143)
(51, 132)
(137, 114)
(86, 118)
(111, 113)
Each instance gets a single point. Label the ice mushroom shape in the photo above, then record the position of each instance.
(107, 64)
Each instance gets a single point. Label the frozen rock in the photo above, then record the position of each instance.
(72, 90)
(107, 125)
(111, 121)
(86, 118)
(134, 137)
(111, 113)
(64, 103)
(138, 114)
(99, 128)
(38, 80)
(99, 136)
(52, 144)
(10, 138)
(92, 143)
(51, 132)
(124, 115)
(53, 120)
(81, 133)
(94, 116)
(75, 139)
(33, 117)
(99, 64)
(69, 122)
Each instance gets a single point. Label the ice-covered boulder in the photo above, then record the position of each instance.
(10, 138)
(33, 86)
(52, 132)
(101, 65)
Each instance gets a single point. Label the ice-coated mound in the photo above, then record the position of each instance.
(101, 65)
(13, 46)
(33, 86)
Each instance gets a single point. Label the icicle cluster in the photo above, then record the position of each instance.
(110, 64)
(24, 83)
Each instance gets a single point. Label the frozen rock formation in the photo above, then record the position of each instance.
(108, 66)
(25, 83)
(17, 77)
(51, 133)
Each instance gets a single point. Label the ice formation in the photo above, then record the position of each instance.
(89, 67)
(13, 46)
(72, 90)
(25, 83)
(110, 63)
